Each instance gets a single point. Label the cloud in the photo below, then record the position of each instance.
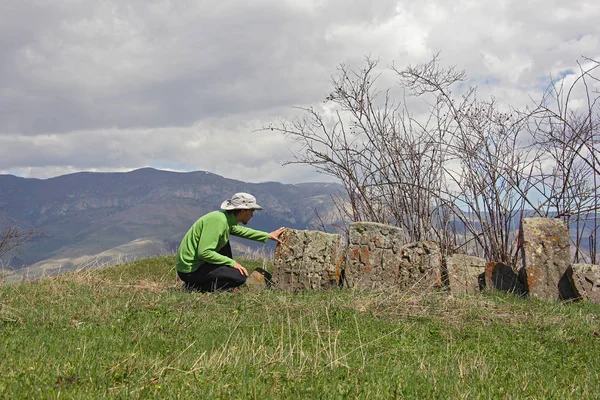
(229, 147)
(115, 85)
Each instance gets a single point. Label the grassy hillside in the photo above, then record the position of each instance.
(129, 332)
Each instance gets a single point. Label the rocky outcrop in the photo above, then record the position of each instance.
(307, 260)
(546, 259)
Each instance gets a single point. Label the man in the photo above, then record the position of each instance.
(204, 258)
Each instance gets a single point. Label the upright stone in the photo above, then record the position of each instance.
(587, 281)
(307, 260)
(546, 259)
(463, 274)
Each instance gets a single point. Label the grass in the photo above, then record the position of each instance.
(129, 332)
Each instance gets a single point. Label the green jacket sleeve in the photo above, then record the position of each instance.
(247, 233)
(209, 241)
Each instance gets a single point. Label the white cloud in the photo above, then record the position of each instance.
(116, 85)
(509, 69)
(234, 149)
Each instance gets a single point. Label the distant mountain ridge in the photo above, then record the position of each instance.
(87, 214)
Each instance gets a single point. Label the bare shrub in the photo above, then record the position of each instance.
(567, 131)
(14, 237)
(462, 173)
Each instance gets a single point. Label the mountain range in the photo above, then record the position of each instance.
(86, 219)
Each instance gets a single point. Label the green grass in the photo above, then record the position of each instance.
(130, 332)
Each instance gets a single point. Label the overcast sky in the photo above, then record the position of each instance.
(101, 85)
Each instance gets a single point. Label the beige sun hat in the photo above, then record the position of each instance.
(241, 201)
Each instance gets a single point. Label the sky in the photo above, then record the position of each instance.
(186, 85)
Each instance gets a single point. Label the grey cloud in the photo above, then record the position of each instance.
(175, 84)
(226, 59)
(117, 64)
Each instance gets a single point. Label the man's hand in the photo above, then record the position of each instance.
(275, 234)
(241, 269)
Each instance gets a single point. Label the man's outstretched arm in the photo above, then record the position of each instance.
(275, 234)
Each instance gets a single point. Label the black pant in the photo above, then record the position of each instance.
(211, 277)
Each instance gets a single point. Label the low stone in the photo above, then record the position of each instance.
(500, 276)
(463, 274)
(586, 278)
(421, 266)
(258, 279)
(546, 259)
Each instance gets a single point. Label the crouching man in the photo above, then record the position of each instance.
(204, 258)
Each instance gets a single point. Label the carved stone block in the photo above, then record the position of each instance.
(307, 260)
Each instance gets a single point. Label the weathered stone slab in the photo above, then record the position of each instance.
(378, 259)
(372, 257)
(586, 278)
(500, 276)
(375, 235)
(546, 258)
(307, 260)
(421, 266)
(463, 273)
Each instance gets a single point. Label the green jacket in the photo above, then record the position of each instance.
(207, 236)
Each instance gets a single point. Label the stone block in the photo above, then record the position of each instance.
(463, 273)
(500, 276)
(307, 260)
(420, 266)
(370, 259)
(377, 259)
(586, 278)
(546, 259)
